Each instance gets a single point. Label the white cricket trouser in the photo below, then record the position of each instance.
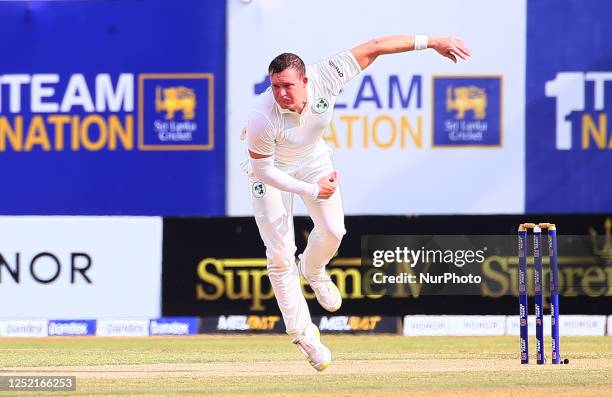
(274, 216)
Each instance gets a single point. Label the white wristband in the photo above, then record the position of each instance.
(420, 42)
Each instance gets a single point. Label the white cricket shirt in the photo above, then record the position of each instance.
(296, 139)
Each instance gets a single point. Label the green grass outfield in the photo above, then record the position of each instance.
(270, 365)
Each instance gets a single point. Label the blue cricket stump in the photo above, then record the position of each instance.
(554, 293)
(539, 300)
(522, 287)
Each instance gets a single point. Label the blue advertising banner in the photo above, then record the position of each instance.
(113, 108)
(174, 326)
(569, 102)
(72, 327)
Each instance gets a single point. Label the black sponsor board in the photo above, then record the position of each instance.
(241, 323)
(217, 266)
(359, 324)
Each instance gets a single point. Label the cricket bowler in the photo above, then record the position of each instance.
(288, 158)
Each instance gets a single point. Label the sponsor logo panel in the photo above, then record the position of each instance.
(467, 111)
(23, 328)
(122, 327)
(72, 327)
(84, 267)
(242, 323)
(358, 324)
(174, 326)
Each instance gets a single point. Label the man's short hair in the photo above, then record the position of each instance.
(285, 61)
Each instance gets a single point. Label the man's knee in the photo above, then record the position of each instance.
(281, 259)
(333, 234)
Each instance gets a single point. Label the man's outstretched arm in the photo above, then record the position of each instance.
(448, 46)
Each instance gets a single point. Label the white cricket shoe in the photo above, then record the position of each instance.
(328, 295)
(309, 343)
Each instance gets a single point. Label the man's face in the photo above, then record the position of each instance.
(289, 89)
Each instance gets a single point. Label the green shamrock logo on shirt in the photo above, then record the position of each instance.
(321, 105)
(259, 190)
